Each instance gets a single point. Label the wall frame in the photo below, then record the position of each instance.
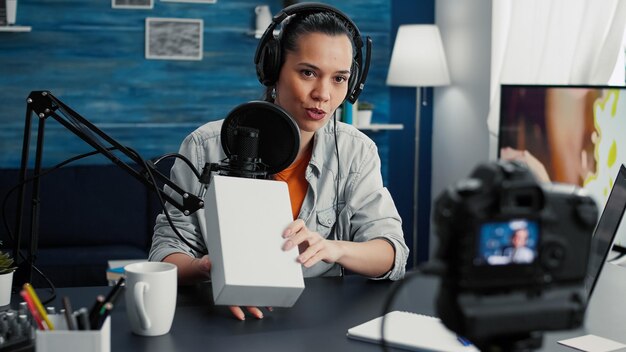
(174, 38)
(132, 4)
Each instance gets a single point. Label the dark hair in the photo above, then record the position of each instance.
(302, 24)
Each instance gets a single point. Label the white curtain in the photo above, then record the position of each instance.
(553, 42)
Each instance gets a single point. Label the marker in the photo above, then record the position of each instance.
(32, 309)
(104, 313)
(82, 316)
(93, 312)
(463, 341)
(69, 316)
(42, 312)
(112, 296)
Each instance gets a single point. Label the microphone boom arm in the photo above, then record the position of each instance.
(43, 104)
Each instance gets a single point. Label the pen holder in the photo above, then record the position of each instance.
(62, 340)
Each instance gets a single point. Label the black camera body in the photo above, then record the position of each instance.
(515, 253)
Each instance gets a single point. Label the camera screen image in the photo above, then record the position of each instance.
(508, 242)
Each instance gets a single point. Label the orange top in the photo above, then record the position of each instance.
(294, 175)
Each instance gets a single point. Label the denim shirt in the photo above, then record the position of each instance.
(366, 208)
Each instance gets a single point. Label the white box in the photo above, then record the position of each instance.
(245, 222)
(62, 340)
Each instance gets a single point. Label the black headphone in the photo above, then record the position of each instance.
(268, 56)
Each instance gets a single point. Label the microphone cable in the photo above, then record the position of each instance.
(181, 157)
(97, 141)
(338, 176)
(52, 288)
(162, 201)
(334, 230)
(424, 269)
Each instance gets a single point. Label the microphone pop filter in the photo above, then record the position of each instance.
(279, 136)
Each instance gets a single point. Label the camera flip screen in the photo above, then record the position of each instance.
(507, 242)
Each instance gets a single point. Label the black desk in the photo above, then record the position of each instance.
(319, 320)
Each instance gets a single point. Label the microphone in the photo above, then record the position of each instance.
(244, 162)
(277, 134)
(259, 139)
(246, 212)
(247, 151)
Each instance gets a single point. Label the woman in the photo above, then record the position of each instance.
(315, 66)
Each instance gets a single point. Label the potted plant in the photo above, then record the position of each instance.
(6, 277)
(364, 113)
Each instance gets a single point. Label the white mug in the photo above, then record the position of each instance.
(150, 297)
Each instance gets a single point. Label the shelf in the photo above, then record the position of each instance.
(15, 28)
(382, 126)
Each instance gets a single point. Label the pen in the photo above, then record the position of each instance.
(33, 310)
(42, 312)
(112, 296)
(98, 309)
(103, 314)
(82, 316)
(463, 341)
(93, 312)
(69, 317)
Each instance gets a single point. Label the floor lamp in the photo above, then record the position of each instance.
(418, 60)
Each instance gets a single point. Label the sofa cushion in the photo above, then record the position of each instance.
(89, 214)
(89, 263)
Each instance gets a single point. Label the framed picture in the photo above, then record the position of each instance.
(132, 4)
(174, 38)
(193, 1)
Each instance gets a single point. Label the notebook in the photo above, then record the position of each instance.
(606, 229)
(411, 331)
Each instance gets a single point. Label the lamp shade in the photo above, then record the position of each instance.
(418, 59)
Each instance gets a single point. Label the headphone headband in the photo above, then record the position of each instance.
(269, 78)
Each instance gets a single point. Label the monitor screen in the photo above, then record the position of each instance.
(609, 224)
(576, 132)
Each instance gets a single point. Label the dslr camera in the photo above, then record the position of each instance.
(515, 255)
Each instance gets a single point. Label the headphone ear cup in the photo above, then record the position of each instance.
(355, 72)
(267, 68)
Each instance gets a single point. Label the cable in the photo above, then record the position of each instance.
(389, 300)
(334, 228)
(620, 249)
(181, 157)
(338, 174)
(54, 168)
(162, 202)
(6, 225)
(51, 287)
(81, 156)
(618, 260)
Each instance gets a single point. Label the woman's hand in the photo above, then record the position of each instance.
(203, 268)
(190, 269)
(255, 311)
(312, 246)
(197, 269)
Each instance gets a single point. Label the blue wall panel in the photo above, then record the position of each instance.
(402, 147)
(91, 56)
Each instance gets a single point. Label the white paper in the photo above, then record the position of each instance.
(592, 343)
(411, 331)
